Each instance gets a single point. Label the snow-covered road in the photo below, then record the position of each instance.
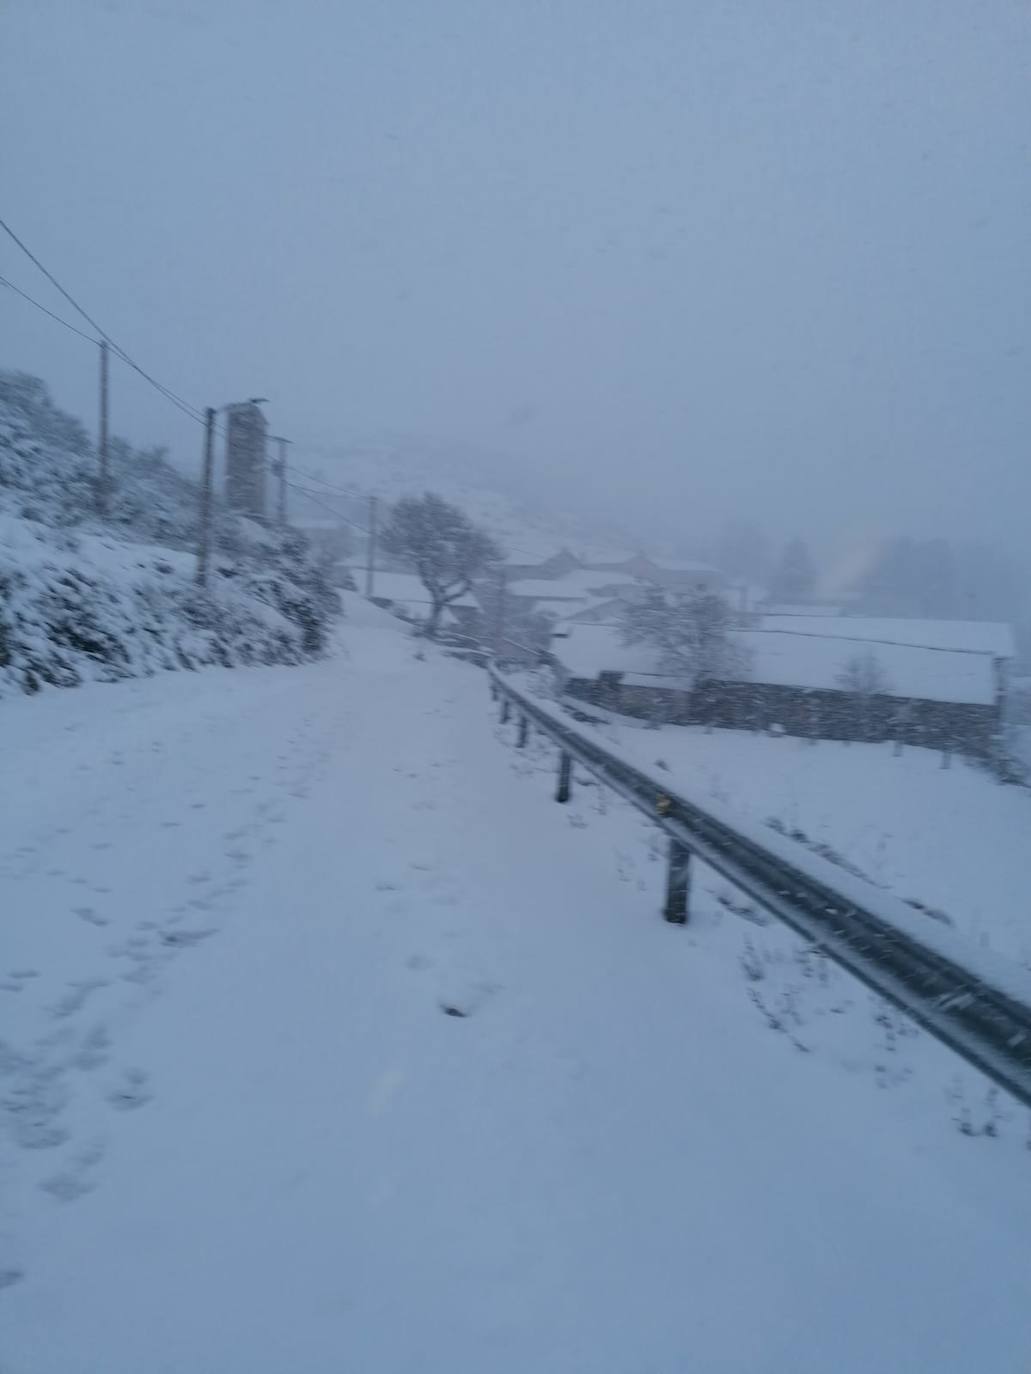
(241, 1135)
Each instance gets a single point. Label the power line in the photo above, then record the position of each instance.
(32, 301)
(169, 395)
(51, 278)
(354, 496)
(340, 491)
(193, 412)
(312, 496)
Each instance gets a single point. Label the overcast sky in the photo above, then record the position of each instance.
(767, 258)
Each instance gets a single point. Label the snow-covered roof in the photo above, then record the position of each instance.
(802, 609)
(580, 585)
(971, 636)
(543, 589)
(783, 659)
(675, 565)
(586, 582)
(817, 662)
(406, 589)
(587, 650)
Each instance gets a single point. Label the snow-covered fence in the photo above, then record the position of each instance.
(973, 1002)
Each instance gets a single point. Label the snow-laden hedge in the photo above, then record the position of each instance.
(84, 600)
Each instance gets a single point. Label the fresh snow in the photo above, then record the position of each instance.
(405, 589)
(331, 1043)
(954, 839)
(817, 662)
(963, 636)
(810, 660)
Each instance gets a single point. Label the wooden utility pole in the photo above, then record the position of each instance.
(500, 609)
(678, 884)
(104, 474)
(207, 482)
(281, 473)
(370, 564)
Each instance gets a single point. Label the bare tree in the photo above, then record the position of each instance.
(863, 675)
(444, 547)
(691, 631)
(863, 678)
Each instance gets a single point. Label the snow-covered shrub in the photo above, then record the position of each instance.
(48, 472)
(88, 600)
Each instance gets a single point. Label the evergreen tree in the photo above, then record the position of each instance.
(691, 632)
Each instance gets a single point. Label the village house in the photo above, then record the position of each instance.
(940, 684)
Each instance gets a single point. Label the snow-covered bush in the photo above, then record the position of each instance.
(89, 600)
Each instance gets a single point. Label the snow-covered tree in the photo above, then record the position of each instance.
(794, 579)
(863, 678)
(447, 551)
(690, 630)
(508, 627)
(863, 675)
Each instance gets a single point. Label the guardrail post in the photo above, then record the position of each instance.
(565, 777)
(506, 710)
(678, 884)
(524, 730)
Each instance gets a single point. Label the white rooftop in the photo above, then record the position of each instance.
(675, 565)
(817, 662)
(801, 610)
(587, 650)
(790, 660)
(971, 636)
(575, 586)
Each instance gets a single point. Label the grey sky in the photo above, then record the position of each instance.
(767, 257)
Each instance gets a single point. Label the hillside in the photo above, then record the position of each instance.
(83, 598)
(530, 521)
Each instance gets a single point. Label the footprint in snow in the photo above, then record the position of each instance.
(68, 1186)
(94, 1051)
(32, 1107)
(74, 1182)
(92, 915)
(79, 990)
(464, 999)
(131, 1091)
(183, 939)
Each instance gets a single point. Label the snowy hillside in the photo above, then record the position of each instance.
(529, 525)
(87, 599)
(455, 1098)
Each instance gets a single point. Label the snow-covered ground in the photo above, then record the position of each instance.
(331, 1043)
(953, 838)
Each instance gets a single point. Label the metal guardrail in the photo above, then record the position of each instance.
(966, 1010)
